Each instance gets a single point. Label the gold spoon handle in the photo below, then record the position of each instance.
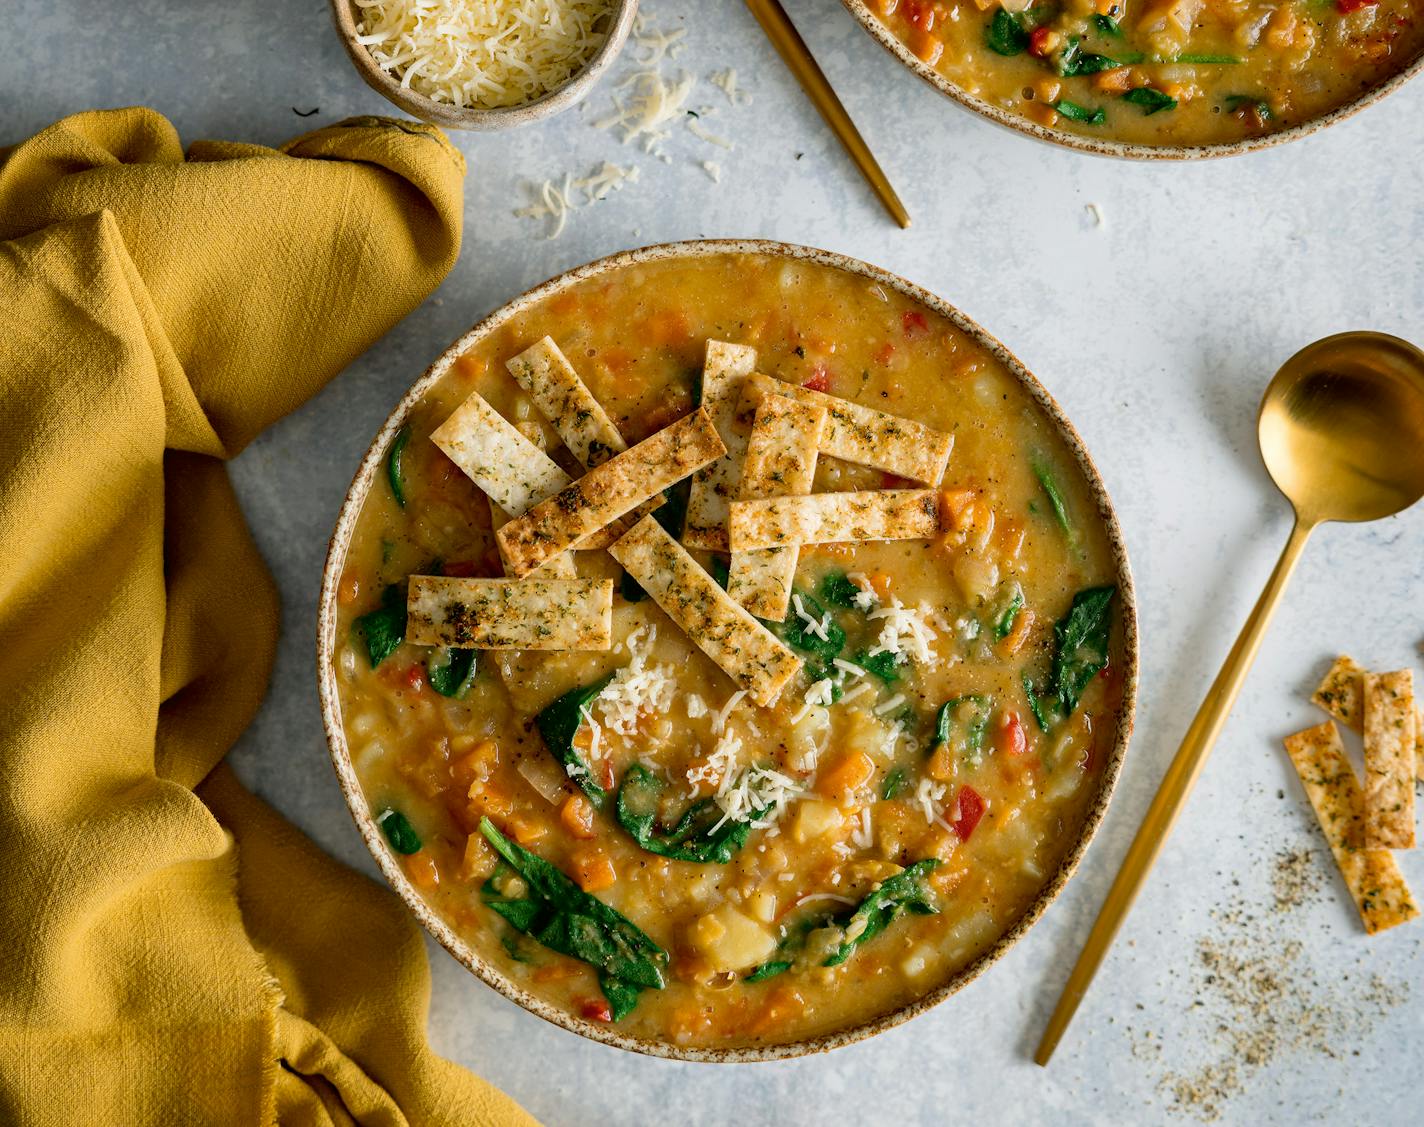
(803, 66)
(1171, 796)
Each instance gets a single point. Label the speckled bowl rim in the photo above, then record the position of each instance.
(1123, 150)
(370, 471)
(476, 120)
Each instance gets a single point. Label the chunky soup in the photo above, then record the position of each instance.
(1162, 72)
(709, 858)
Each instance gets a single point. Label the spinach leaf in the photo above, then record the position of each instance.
(1055, 498)
(1081, 645)
(399, 832)
(1074, 61)
(451, 671)
(895, 782)
(559, 724)
(1234, 102)
(1107, 25)
(394, 473)
(796, 631)
(720, 568)
(1004, 623)
(1074, 112)
(1037, 705)
(1080, 652)
(837, 589)
(694, 838)
(974, 727)
(1005, 35)
(1150, 101)
(883, 665)
(904, 892)
(560, 915)
(767, 970)
(631, 590)
(384, 628)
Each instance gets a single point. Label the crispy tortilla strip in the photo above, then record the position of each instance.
(828, 518)
(780, 461)
(744, 649)
(510, 614)
(564, 399)
(724, 371)
(1389, 760)
(609, 491)
(1341, 695)
(1371, 875)
(559, 567)
(863, 435)
(514, 472)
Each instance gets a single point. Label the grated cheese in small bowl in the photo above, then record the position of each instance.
(462, 62)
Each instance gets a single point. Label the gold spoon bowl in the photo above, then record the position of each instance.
(1341, 430)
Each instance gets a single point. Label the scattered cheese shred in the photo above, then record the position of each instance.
(482, 53)
(638, 688)
(929, 796)
(904, 632)
(557, 201)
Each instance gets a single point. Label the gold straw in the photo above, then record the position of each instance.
(797, 56)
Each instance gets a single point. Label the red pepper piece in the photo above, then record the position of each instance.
(820, 379)
(971, 809)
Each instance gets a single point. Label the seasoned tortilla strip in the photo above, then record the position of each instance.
(510, 614)
(724, 370)
(863, 435)
(780, 461)
(826, 518)
(744, 649)
(514, 472)
(559, 567)
(565, 400)
(583, 425)
(1340, 694)
(1389, 760)
(1374, 880)
(609, 491)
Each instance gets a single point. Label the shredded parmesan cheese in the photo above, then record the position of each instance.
(713, 169)
(719, 718)
(482, 53)
(929, 796)
(557, 201)
(638, 688)
(726, 81)
(696, 706)
(904, 632)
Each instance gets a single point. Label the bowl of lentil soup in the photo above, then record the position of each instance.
(1169, 79)
(645, 840)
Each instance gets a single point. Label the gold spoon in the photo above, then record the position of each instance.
(1341, 430)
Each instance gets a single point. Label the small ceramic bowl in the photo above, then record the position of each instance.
(479, 120)
(1121, 149)
(371, 471)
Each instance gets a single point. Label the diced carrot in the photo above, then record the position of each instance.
(561, 970)
(349, 589)
(471, 367)
(577, 816)
(593, 869)
(941, 764)
(1046, 116)
(667, 326)
(476, 859)
(946, 878)
(880, 582)
(477, 763)
(1115, 81)
(421, 869)
(937, 842)
(526, 830)
(1014, 640)
(842, 779)
(956, 507)
(490, 799)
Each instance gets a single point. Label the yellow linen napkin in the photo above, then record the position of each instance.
(171, 951)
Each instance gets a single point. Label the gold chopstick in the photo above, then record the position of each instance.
(797, 56)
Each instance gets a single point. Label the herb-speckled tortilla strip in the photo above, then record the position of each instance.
(510, 614)
(514, 472)
(609, 491)
(583, 425)
(1389, 760)
(740, 645)
(1371, 875)
(829, 518)
(863, 435)
(1340, 694)
(724, 371)
(558, 567)
(780, 461)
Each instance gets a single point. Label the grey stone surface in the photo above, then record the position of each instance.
(1156, 330)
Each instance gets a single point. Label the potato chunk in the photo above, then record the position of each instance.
(728, 940)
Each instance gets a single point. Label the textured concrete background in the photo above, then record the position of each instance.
(1156, 331)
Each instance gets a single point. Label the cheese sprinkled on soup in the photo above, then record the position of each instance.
(706, 827)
